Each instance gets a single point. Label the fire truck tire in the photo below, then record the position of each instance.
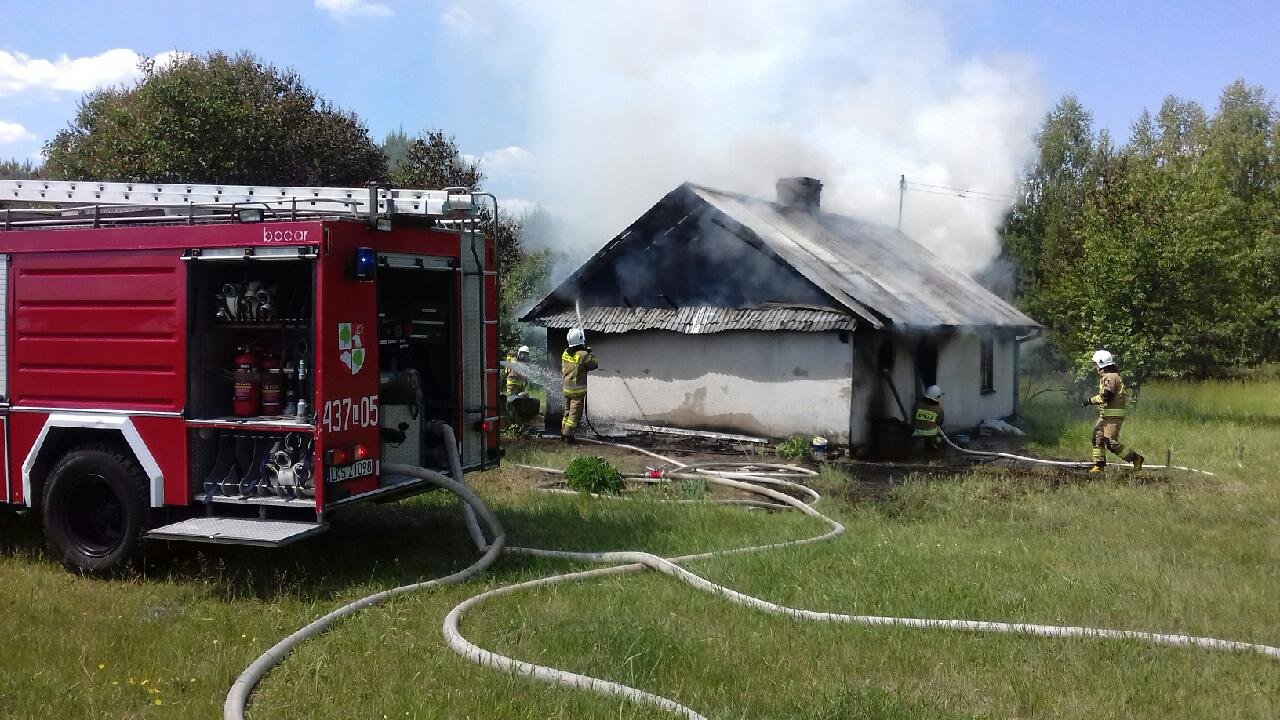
(95, 508)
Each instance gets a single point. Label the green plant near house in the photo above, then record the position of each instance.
(592, 474)
(795, 447)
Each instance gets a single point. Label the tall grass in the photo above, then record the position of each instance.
(1156, 551)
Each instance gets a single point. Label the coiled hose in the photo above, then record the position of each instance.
(629, 562)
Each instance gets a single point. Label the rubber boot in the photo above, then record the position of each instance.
(1097, 468)
(1136, 459)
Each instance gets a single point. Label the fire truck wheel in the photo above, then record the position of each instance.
(95, 508)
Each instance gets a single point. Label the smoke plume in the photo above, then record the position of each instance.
(628, 101)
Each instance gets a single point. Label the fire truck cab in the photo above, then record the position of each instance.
(234, 364)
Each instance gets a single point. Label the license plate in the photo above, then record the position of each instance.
(354, 470)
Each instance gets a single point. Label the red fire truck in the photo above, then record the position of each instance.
(234, 364)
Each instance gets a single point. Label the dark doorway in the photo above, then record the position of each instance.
(927, 362)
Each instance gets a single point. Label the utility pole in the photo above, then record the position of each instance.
(902, 190)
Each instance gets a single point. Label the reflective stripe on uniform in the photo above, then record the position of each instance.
(572, 390)
(1112, 413)
(930, 432)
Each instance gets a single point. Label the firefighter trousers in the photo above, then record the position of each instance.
(1106, 436)
(572, 415)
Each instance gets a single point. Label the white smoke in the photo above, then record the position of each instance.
(628, 101)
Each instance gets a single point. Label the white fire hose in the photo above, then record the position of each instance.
(629, 562)
(1060, 463)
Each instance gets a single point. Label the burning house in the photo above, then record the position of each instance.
(720, 311)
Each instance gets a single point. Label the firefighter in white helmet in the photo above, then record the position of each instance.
(517, 384)
(1111, 400)
(929, 417)
(575, 363)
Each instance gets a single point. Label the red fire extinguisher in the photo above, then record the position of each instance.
(272, 386)
(246, 397)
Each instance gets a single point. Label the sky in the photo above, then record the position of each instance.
(596, 109)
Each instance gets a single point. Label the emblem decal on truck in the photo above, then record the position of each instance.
(350, 345)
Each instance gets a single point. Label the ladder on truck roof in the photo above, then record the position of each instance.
(96, 204)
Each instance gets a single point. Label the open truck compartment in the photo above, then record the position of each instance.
(250, 407)
(419, 369)
(258, 368)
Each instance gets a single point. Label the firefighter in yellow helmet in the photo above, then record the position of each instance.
(575, 363)
(1111, 399)
(929, 417)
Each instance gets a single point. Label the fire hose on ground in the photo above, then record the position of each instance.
(747, 480)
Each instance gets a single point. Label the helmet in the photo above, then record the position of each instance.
(577, 336)
(1102, 358)
(934, 393)
(524, 350)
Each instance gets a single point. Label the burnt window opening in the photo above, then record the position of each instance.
(986, 365)
(927, 363)
(886, 355)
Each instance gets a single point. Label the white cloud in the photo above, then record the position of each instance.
(171, 57)
(463, 23)
(11, 132)
(508, 162)
(21, 73)
(629, 101)
(345, 9)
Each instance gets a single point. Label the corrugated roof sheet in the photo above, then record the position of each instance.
(864, 265)
(700, 320)
(871, 271)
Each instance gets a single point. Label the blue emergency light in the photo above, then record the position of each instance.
(364, 264)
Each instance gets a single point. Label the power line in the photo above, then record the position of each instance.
(956, 192)
(962, 195)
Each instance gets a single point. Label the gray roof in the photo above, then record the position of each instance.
(700, 320)
(870, 271)
(865, 266)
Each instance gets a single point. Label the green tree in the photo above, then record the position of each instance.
(215, 119)
(433, 161)
(1164, 249)
(14, 170)
(395, 146)
(1037, 233)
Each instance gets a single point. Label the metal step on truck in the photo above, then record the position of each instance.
(235, 364)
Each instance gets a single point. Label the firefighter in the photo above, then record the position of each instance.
(1111, 399)
(517, 384)
(929, 418)
(576, 362)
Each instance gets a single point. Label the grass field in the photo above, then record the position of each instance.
(1158, 552)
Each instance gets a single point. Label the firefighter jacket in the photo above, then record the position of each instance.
(575, 366)
(928, 417)
(1111, 396)
(515, 382)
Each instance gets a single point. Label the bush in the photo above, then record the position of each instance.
(796, 447)
(591, 474)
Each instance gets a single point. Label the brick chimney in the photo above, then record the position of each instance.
(799, 193)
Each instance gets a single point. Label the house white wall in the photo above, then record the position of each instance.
(775, 384)
(959, 373)
(770, 384)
